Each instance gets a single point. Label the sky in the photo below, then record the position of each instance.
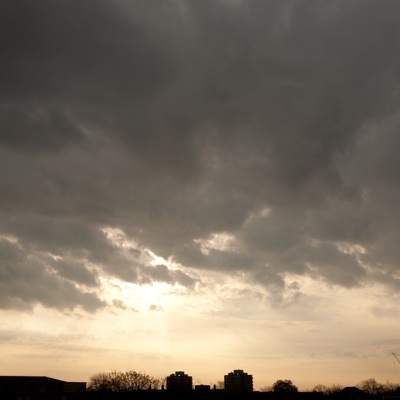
(200, 186)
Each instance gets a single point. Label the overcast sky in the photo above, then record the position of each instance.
(201, 186)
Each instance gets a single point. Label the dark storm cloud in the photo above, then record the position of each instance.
(37, 129)
(25, 282)
(75, 271)
(179, 120)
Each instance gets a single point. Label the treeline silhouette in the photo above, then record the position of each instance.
(369, 386)
(115, 381)
(132, 385)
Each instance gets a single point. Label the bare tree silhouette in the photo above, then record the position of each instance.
(123, 381)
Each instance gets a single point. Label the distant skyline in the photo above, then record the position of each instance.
(200, 186)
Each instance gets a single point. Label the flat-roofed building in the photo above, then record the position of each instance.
(238, 381)
(179, 381)
(37, 387)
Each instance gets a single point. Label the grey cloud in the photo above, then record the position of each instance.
(161, 273)
(10, 252)
(335, 266)
(269, 278)
(59, 237)
(184, 279)
(75, 271)
(192, 256)
(119, 304)
(67, 252)
(79, 43)
(25, 281)
(42, 130)
(176, 121)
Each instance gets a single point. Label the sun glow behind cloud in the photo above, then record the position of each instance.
(154, 325)
(223, 325)
(215, 319)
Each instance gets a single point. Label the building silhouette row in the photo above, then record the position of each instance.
(238, 385)
(42, 388)
(236, 381)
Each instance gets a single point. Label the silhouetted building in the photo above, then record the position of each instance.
(179, 381)
(351, 393)
(202, 388)
(238, 381)
(32, 387)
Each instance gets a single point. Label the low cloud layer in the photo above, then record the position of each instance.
(272, 123)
